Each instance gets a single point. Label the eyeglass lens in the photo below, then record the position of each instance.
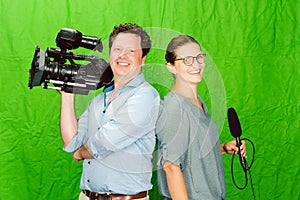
(189, 60)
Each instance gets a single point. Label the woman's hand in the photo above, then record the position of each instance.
(231, 148)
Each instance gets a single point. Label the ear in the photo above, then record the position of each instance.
(171, 68)
(143, 60)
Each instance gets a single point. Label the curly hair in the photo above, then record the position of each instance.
(134, 29)
(176, 42)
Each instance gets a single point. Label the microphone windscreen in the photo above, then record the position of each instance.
(234, 123)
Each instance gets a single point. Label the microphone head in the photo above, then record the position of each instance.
(234, 123)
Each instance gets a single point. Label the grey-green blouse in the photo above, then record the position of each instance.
(189, 138)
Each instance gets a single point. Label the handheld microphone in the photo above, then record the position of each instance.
(236, 131)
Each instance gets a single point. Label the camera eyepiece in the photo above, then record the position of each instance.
(72, 39)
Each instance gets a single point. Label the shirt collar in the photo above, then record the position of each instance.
(135, 82)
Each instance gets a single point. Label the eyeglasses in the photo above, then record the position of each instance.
(189, 60)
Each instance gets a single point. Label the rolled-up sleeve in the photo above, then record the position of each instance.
(171, 133)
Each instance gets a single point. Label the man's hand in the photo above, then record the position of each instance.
(76, 156)
(82, 153)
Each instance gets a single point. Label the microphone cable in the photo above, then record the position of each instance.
(247, 169)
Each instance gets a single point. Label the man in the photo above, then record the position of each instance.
(115, 135)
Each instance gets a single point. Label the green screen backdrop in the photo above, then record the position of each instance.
(253, 61)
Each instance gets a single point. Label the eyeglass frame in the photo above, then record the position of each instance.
(185, 58)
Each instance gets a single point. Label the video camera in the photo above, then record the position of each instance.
(50, 67)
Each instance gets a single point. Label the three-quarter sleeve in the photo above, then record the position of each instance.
(171, 132)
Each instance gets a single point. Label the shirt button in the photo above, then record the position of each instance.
(88, 180)
(89, 162)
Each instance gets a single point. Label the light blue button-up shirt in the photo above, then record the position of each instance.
(121, 137)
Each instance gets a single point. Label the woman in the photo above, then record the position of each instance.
(190, 154)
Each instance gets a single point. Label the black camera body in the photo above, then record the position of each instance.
(51, 68)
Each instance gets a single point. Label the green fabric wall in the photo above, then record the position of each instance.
(253, 61)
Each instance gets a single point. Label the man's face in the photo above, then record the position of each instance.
(126, 56)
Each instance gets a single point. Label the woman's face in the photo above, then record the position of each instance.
(193, 73)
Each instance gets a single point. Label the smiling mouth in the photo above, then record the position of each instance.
(123, 64)
(195, 72)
